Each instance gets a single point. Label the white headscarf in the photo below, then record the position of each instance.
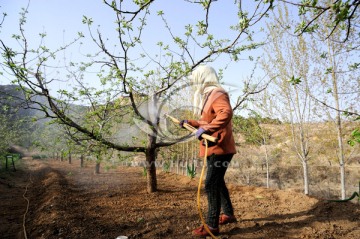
(203, 80)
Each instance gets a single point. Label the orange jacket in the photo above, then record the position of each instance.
(216, 120)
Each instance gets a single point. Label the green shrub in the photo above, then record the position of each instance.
(191, 171)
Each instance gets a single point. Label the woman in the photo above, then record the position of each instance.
(212, 103)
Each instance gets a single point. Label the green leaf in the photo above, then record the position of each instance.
(329, 70)
(299, 28)
(87, 21)
(295, 81)
(323, 55)
(354, 66)
(354, 137)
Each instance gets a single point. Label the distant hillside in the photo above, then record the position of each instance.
(17, 115)
(14, 105)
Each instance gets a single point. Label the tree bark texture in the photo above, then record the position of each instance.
(97, 168)
(150, 155)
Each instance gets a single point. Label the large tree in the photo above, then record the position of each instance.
(125, 68)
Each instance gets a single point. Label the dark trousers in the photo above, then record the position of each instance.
(216, 190)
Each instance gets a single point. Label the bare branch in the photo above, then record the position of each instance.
(133, 13)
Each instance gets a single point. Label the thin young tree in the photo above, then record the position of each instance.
(291, 65)
(338, 72)
(256, 134)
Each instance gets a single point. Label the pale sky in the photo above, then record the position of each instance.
(62, 19)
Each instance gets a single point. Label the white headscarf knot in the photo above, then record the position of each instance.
(203, 80)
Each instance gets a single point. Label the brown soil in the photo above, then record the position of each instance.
(67, 201)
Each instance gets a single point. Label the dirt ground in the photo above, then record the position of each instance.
(66, 201)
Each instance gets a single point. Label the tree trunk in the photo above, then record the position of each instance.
(97, 168)
(177, 160)
(81, 161)
(247, 175)
(150, 155)
(340, 138)
(341, 155)
(343, 186)
(151, 171)
(306, 177)
(338, 121)
(267, 168)
(69, 158)
(183, 164)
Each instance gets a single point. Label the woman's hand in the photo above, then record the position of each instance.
(182, 122)
(199, 132)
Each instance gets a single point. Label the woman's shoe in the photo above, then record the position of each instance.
(225, 219)
(201, 231)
